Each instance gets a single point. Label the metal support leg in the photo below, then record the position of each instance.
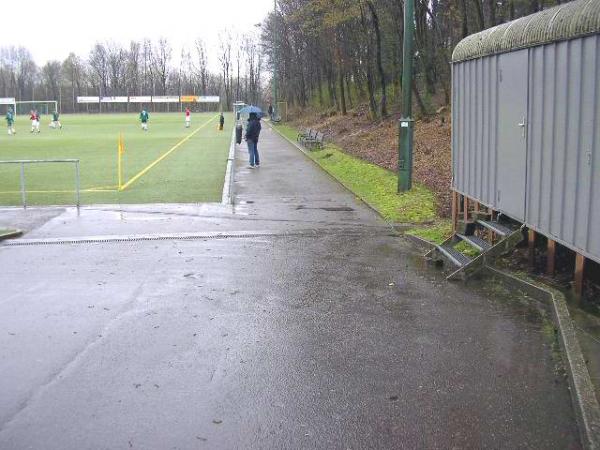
(551, 258)
(531, 249)
(579, 268)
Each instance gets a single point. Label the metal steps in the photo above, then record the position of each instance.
(476, 242)
(465, 266)
(495, 227)
(454, 256)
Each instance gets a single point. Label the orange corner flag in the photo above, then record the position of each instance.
(121, 144)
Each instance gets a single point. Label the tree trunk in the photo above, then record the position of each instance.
(492, 8)
(319, 87)
(370, 81)
(420, 103)
(465, 23)
(479, 11)
(383, 104)
(349, 91)
(342, 94)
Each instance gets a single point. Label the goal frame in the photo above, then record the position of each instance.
(37, 102)
(8, 103)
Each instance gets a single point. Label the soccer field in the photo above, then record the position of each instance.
(167, 164)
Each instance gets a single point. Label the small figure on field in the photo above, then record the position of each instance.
(144, 119)
(35, 120)
(55, 122)
(10, 122)
(221, 122)
(188, 117)
(252, 133)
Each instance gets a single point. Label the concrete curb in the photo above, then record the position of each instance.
(11, 234)
(422, 244)
(306, 153)
(227, 197)
(583, 396)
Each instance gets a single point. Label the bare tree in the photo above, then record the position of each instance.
(161, 58)
(51, 75)
(200, 66)
(98, 61)
(225, 60)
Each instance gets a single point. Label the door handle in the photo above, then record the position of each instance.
(523, 124)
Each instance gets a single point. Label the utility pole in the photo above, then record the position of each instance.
(275, 62)
(406, 125)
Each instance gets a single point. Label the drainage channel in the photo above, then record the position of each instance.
(312, 233)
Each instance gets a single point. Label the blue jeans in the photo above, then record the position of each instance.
(253, 151)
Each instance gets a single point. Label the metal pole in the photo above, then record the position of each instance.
(77, 183)
(406, 125)
(275, 62)
(23, 199)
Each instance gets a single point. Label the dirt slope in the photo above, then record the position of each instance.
(377, 143)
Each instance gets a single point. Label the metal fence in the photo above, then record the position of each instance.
(23, 162)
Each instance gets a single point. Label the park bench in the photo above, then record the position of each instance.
(307, 135)
(303, 134)
(315, 141)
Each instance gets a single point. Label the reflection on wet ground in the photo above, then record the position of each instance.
(311, 327)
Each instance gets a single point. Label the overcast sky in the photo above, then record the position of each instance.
(51, 29)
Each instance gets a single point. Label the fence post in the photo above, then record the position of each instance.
(23, 199)
(77, 183)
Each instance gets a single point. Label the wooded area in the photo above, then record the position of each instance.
(144, 67)
(331, 55)
(334, 54)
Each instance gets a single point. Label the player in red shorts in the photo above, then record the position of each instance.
(35, 121)
(188, 117)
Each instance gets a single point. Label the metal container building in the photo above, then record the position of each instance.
(526, 122)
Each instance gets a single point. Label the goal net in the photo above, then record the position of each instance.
(44, 107)
(6, 104)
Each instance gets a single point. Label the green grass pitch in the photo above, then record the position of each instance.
(193, 172)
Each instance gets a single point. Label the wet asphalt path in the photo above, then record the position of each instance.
(305, 324)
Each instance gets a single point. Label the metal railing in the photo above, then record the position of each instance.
(23, 162)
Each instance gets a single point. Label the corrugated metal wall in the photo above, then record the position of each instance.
(474, 128)
(563, 138)
(563, 168)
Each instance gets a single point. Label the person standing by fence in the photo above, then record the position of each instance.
(252, 133)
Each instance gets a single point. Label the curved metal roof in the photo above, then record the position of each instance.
(567, 21)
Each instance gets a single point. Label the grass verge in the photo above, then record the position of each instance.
(374, 185)
(6, 233)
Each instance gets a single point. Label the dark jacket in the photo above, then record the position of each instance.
(253, 130)
(221, 120)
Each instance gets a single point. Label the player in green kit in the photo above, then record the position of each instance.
(10, 121)
(144, 119)
(55, 122)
